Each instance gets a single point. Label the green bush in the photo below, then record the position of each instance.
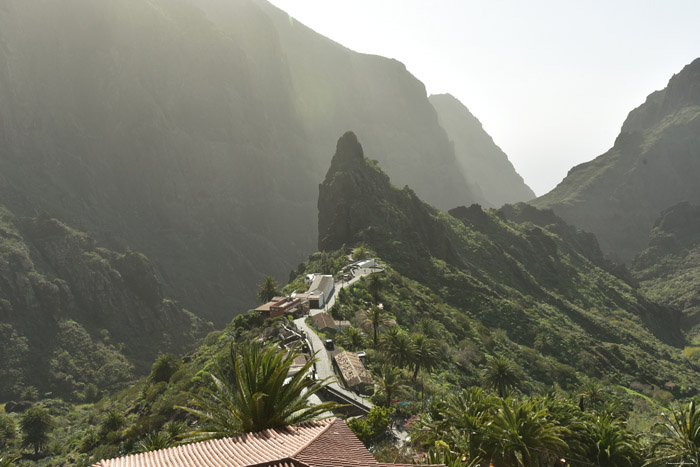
(164, 367)
(373, 426)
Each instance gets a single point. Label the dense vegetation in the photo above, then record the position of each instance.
(546, 286)
(75, 318)
(668, 271)
(426, 351)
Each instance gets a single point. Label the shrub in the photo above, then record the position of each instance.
(164, 367)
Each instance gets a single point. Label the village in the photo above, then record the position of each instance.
(312, 329)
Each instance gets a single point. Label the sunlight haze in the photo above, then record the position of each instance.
(550, 81)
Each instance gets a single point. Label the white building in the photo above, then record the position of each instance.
(320, 290)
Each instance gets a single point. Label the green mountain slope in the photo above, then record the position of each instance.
(653, 165)
(486, 166)
(193, 131)
(669, 269)
(73, 314)
(546, 284)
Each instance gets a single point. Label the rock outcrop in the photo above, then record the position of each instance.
(654, 164)
(519, 269)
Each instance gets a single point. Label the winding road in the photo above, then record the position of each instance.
(324, 366)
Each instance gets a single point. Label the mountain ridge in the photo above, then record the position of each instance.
(652, 166)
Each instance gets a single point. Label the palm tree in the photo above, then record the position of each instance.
(155, 441)
(352, 339)
(501, 374)
(399, 347)
(253, 396)
(376, 319)
(523, 435)
(268, 289)
(593, 392)
(681, 443)
(375, 286)
(36, 423)
(469, 412)
(389, 381)
(426, 355)
(609, 443)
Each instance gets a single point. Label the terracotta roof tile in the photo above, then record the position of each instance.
(352, 369)
(249, 449)
(329, 443)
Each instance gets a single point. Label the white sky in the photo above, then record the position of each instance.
(551, 80)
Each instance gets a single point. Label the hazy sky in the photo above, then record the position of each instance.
(551, 80)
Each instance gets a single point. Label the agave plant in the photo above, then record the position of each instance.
(253, 395)
(680, 444)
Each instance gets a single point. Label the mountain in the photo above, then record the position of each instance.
(518, 269)
(653, 165)
(196, 131)
(669, 269)
(485, 165)
(73, 313)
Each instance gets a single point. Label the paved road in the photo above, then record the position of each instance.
(324, 366)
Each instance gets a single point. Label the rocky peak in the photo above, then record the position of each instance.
(683, 90)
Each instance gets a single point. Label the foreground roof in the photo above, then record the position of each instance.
(328, 443)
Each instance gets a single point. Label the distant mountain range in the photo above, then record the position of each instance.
(197, 131)
(485, 165)
(654, 164)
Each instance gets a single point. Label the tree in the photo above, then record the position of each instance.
(399, 347)
(164, 368)
(461, 422)
(609, 444)
(359, 254)
(7, 461)
(389, 381)
(681, 441)
(501, 374)
(252, 395)
(524, 435)
(352, 339)
(113, 421)
(373, 426)
(154, 441)
(7, 430)
(268, 289)
(425, 356)
(375, 319)
(375, 286)
(36, 424)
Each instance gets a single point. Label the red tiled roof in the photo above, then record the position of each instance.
(329, 443)
(274, 445)
(323, 321)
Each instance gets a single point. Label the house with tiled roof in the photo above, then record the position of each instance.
(324, 322)
(328, 443)
(353, 372)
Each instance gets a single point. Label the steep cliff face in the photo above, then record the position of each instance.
(484, 164)
(519, 269)
(669, 269)
(197, 133)
(653, 165)
(72, 313)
